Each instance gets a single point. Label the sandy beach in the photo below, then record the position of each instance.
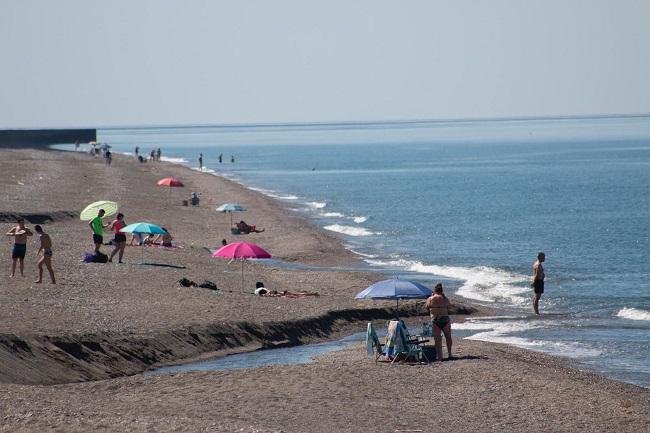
(71, 354)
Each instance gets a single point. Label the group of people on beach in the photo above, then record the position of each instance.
(97, 226)
(20, 233)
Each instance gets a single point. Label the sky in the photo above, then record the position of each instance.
(138, 63)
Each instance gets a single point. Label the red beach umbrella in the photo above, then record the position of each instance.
(170, 182)
(243, 251)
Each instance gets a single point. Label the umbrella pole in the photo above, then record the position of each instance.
(397, 310)
(242, 275)
(142, 253)
(230, 219)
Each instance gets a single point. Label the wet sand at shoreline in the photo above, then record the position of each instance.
(489, 388)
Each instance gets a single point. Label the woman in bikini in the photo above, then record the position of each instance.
(438, 306)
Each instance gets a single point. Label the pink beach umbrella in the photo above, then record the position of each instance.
(242, 251)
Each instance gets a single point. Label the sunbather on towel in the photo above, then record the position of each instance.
(246, 229)
(285, 294)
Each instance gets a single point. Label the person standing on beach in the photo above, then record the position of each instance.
(46, 258)
(120, 238)
(97, 226)
(200, 161)
(20, 233)
(538, 281)
(438, 306)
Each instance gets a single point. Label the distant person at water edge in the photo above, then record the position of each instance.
(97, 226)
(46, 258)
(120, 238)
(538, 281)
(108, 156)
(220, 158)
(200, 161)
(137, 151)
(158, 152)
(152, 155)
(232, 158)
(20, 233)
(438, 306)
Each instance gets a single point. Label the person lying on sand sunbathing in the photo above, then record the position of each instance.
(261, 291)
(246, 229)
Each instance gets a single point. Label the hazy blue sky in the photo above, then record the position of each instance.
(88, 63)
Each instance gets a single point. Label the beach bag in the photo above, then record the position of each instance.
(208, 285)
(100, 258)
(186, 283)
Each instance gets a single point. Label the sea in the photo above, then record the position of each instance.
(469, 204)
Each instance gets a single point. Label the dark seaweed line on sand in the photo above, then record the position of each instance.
(48, 360)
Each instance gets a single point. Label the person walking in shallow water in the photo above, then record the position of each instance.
(20, 233)
(200, 161)
(537, 281)
(46, 258)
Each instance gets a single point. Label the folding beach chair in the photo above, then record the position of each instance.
(374, 347)
(398, 347)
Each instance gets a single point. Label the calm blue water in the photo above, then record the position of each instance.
(471, 203)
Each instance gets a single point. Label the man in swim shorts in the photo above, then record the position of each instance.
(20, 233)
(97, 226)
(46, 259)
(538, 281)
(438, 306)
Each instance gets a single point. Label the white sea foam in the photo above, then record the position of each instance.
(316, 204)
(482, 283)
(633, 314)
(360, 219)
(172, 160)
(272, 194)
(502, 332)
(332, 214)
(350, 231)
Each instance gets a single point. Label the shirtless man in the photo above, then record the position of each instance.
(20, 233)
(46, 258)
(438, 306)
(537, 281)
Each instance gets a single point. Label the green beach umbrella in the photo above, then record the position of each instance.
(90, 211)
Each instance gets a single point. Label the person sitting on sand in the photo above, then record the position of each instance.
(165, 239)
(438, 306)
(136, 239)
(149, 240)
(194, 199)
(20, 233)
(46, 258)
(246, 229)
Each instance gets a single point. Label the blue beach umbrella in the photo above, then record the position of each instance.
(143, 227)
(230, 208)
(395, 289)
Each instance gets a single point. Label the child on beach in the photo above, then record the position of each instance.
(46, 258)
(20, 233)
